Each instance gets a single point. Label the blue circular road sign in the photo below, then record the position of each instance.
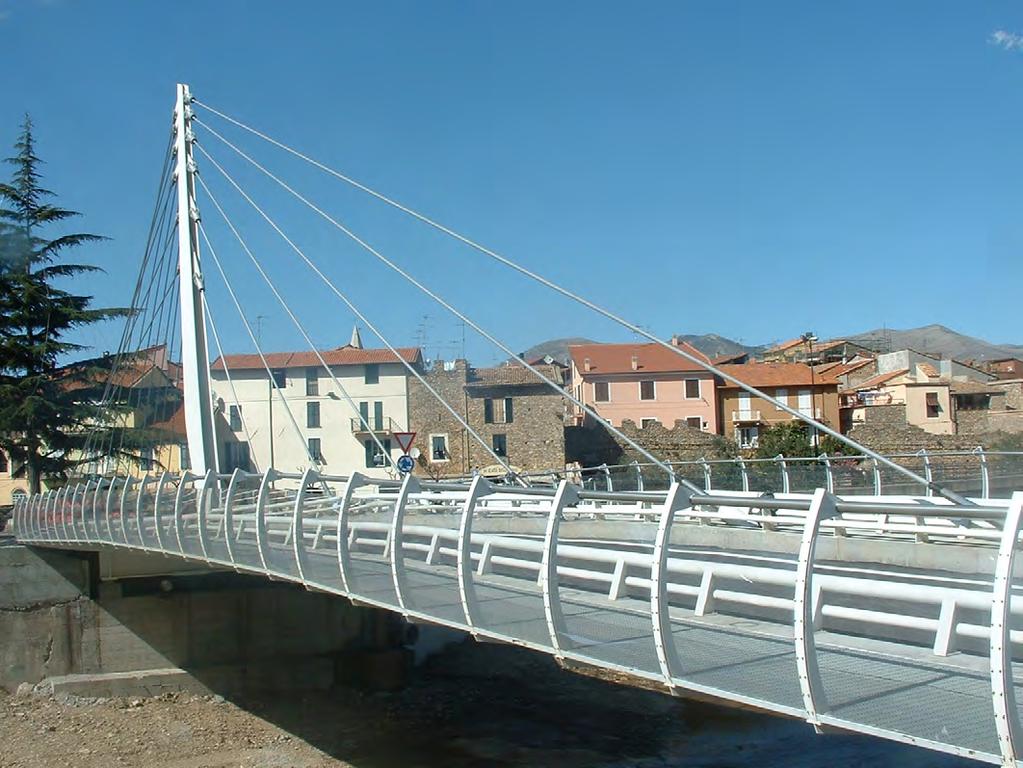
(406, 463)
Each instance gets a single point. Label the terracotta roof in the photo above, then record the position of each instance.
(617, 358)
(785, 345)
(928, 370)
(346, 355)
(774, 375)
(513, 375)
(880, 379)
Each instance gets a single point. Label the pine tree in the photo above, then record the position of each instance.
(46, 412)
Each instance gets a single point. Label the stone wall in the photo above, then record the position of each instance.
(885, 430)
(535, 436)
(593, 444)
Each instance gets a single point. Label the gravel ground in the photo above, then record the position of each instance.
(474, 705)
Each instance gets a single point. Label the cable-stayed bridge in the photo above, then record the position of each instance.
(899, 616)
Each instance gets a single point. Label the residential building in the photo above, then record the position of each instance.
(934, 367)
(261, 415)
(925, 397)
(519, 417)
(1004, 368)
(645, 384)
(744, 416)
(11, 487)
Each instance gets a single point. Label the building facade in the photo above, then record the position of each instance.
(519, 417)
(743, 416)
(645, 384)
(261, 415)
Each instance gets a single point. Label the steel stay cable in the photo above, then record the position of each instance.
(230, 381)
(950, 495)
(259, 351)
(364, 421)
(337, 292)
(561, 391)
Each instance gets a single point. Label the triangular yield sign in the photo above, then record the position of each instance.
(404, 439)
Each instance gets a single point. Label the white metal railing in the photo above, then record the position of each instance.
(804, 593)
(752, 416)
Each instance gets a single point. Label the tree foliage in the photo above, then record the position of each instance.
(792, 439)
(45, 411)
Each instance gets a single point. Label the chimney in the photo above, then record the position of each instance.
(586, 364)
(635, 362)
(675, 340)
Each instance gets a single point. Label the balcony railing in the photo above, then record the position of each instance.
(753, 416)
(384, 424)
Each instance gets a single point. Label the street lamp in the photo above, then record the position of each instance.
(808, 339)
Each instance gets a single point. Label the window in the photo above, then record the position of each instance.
(312, 414)
(374, 458)
(782, 395)
(439, 448)
(501, 445)
(649, 422)
(646, 390)
(3, 462)
(280, 377)
(497, 410)
(235, 417)
(695, 422)
(372, 374)
(805, 402)
(378, 415)
(692, 389)
(933, 406)
(183, 458)
(364, 422)
(312, 381)
(146, 459)
(747, 437)
(314, 450)
(601, 392)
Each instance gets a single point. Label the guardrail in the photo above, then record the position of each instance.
(900, 617)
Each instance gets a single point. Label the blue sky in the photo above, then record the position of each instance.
(750, 169)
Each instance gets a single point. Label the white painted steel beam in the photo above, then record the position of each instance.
(1003, 693)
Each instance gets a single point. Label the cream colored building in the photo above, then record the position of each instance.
(260, 432)
(927, 399)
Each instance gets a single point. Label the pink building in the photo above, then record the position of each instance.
(644, 383)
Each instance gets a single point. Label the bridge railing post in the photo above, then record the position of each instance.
(876, 471)
(707, 480)
(78, 522)
(786, 483)
(93, 516)
(309, 477)
(159, 499)
(922, 453)
(43, 510)
(229, 532)
(639, 475)
(122, 504)
(565, 494)
(203, 500)
(262, 545)
(409, 485)
(678, 498)
(744, 472)
(804, 607)
(179, 509)
(108, 509)
(344, 559)
(1003, 693)
(479, 487)
(829, 475)
(985, 475)
(60, 530)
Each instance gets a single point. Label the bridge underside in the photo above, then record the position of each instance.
(885, 623)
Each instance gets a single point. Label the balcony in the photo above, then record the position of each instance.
(384, 425)
(813, 413)
(741, 417)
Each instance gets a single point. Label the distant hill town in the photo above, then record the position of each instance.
(932, 339)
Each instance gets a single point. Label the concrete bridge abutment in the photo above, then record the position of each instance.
(216, 632)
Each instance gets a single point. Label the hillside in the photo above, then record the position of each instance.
(556, 348)
(713, 345)
(935, 340)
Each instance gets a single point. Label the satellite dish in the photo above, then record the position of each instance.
(415, 453)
